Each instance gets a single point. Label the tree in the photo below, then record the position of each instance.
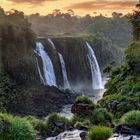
(135, 20)
(116, 15)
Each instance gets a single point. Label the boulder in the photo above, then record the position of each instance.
(81, 109)
(125, 129)
(124, 137)
(70, 135)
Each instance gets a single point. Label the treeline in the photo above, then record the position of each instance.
(117, 28)
(17, 41)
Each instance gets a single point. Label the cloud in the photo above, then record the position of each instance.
(30, 1)
(103, 5)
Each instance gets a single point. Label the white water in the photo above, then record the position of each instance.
(64, 72)
(49, 75)
(39, 71)
(63, 66)
(52, 44)
(97, 82)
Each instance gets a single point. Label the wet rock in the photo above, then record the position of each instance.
(70, 135)
(125, 137)
(4, 126)
(59, 124)
(125, 129)
(84, 128)
(83, 135)
(81, 109)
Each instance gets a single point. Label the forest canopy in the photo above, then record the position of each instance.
(116, 28)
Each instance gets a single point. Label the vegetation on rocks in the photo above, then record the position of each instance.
(13, 128)
(99, 133)
(131, 119)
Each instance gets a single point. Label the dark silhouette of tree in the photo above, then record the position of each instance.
(2, 13)
(135, 20)
(116, 15)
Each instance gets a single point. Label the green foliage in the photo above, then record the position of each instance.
(38, 124)
(135, 19)
(83, 123)
(132, 54)
(17, 129)
(8, 92)
(118, 104)
(112, 28)
(100, 116)
(131, 118)
(52, 127)
(76, 119)
(86, 100)
(123, 88)
(100, 133)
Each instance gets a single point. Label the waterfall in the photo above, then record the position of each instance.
(63, 66)
(39, 71)
(64, 72)
(97, 82)
(49, 75)
(52, 44)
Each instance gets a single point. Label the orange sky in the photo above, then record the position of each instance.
(81, 7)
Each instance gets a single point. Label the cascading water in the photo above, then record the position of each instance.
(52, 44)
(97, 82)
(63, 66)
(64, 72)
(39, 71)
(49, 75)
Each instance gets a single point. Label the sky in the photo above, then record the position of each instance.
(80, 7)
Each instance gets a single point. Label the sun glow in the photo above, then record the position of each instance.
(81, 7)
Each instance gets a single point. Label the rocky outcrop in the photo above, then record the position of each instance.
(81, 109)
(70, 135)
(124, 137)
(116, 106)
(125, 132)
(125, 129)
(42, 101)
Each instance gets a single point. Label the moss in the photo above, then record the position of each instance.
(17, 128)
(52, 122)
(131, 118)
(119, 104)
(86, 100)
(86, 122)
(100, 133)
(38, 124)
(100, 116)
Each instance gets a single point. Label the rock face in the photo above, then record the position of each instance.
(124, 132)
(125, 129)
(70, 135)
(43, 101)
(115, 106)
(125, 137)
(74, 52)
(81, 109)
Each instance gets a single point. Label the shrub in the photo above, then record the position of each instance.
(99, 133)
(132, 54)
(86, 100)
(18, 129)
(52, 127)
(118, 104)
(83, 123)
(75, 119)
(131, 118)
(39, 125)
(101, 116)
